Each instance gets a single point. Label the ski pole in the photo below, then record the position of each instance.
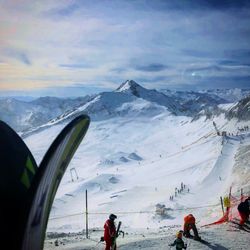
(94, 247)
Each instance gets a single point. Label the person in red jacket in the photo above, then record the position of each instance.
(110, 232)
(189, 223)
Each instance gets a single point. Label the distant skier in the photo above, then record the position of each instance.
(110, 232)
(189, 223)
(179, 243)
(244, 211)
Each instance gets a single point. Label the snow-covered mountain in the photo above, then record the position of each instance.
(231, 95)
(131, 87)
(141, 145)
(240, 110)
(23, 115)
(129, 99)
(187, 96)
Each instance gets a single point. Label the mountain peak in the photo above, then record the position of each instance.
(130, 86)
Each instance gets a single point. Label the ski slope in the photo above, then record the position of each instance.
(129, 164)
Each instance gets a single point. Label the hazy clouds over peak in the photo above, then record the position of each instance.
(100, 43)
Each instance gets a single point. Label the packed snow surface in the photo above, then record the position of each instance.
(130, 164)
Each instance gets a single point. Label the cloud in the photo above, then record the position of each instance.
(19, 55)
(103, 43)
(119, 70)
(153, 67)
(62, 11)
(75, 65)
(196, 53)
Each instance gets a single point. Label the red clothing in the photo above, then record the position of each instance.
(189, 219)
(109, 233)
(109, 246)
(243, 217)
(244, 211)
(189, 223)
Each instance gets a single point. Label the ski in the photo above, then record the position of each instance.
(116, 234)
(18, 169)
(29, 191)
(47, 180)
(240, 227)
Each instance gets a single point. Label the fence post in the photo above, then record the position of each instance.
(222, 207)
(86, 198)
(229, 210)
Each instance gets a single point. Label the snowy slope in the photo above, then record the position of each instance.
(131, 163)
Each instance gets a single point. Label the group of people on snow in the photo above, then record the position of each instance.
(110, 232)
(178, 191)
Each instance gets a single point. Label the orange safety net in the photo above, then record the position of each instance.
(231, 213)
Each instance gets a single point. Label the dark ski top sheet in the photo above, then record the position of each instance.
(18, 169)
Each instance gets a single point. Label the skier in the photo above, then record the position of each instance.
(179, 243)
(244, 211)
(110, 232)
(189, 223)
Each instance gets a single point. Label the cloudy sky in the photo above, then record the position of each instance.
(70, 48)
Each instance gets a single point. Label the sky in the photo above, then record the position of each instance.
(72, 48)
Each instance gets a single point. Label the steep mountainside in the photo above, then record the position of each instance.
(241, 110)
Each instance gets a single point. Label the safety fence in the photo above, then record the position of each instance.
(231, 208)
(86, 219)
(130, 212)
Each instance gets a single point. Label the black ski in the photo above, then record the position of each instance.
(28, 192)
(237, 226)
(18, 169)
(116, 234)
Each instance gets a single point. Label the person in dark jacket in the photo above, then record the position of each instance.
(244, 211)
(110, 232)
(179, 243)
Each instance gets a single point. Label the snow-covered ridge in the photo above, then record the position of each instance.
(128, 99)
